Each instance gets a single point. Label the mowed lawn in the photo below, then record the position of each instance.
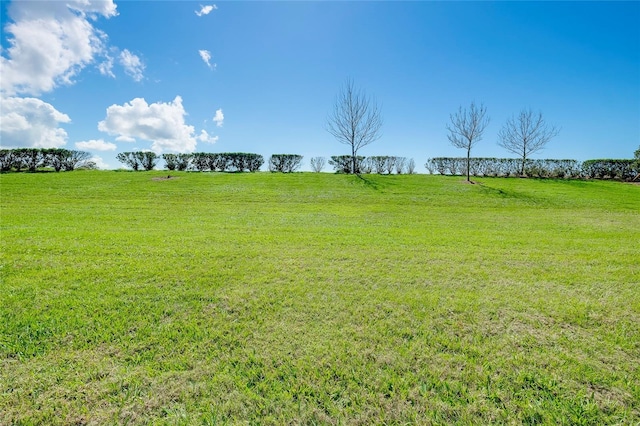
(215, 298)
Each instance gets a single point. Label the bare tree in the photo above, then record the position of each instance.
(356, 120)
(525, 134)
(411, 166)
(318, 163)
(466, 128)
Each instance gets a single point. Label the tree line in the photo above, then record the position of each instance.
(544, 168)
(356, 121)
(33, 159)
(201, 161)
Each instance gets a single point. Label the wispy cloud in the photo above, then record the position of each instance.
(205, 10)
(132, 64)
(219, 118)
(106, 67)
(206, 57)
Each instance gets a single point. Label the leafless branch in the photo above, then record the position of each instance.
(356, 119)
(467, 127)
(526, 134)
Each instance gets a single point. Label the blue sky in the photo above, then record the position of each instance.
(179, 76)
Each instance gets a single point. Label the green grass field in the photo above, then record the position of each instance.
(214, 298)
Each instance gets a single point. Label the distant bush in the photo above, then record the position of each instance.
(342, 163)
(180, 162)
(548, 168)
(380, 164)
(33, 159)
(411, 166)
(217, 162)
(138, 160)
(318, 163)
(610, 169)
(285, 163)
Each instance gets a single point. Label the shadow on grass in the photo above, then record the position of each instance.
(369, 183)
(509, 194)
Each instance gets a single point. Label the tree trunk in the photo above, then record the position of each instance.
(353, 160)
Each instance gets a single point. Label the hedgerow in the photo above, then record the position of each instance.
(33, 159)
(285, 163)
(224, 162)
(545, 168)
(380, 164)
(611, 169)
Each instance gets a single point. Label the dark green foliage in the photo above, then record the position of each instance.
(137, 160)
(215, 162)
(36, 158)
(7, 159)
(200, 161)
(180, 162)
(170, 161)
(378, 163)
(284, 163)
(70, 160)
(610, 169)
(344, 163)
(183, 162)
(32, 158)
(54, 157)
(148, 159)
(129, 159)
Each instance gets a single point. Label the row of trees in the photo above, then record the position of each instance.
(32, 159)
(380, 164)
(522, 134)
(201, 161)
(591, 169)
(356, 121)
(287, 163)
(613, 169)
(283, 163)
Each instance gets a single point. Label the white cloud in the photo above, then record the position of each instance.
(161, 123)
(219, 118)
(206, 138)
(132, 64)
(106, 67)
(205, 10)
(206, 57)
(100, 163)
(96, 145)
(32, 123)
(50, 43)
(125, 139)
